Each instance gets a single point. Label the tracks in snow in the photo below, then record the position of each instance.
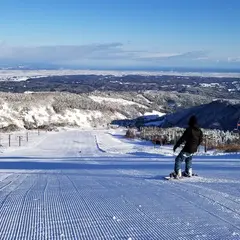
(85, 204)
(104, 198)
(210, 201)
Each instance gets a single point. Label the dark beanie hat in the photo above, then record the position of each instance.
(192, 121)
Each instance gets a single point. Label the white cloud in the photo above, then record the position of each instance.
(95, 54)
(233, 59)
(58, 53)
(156, 55)
(193, 55)
(202, 58)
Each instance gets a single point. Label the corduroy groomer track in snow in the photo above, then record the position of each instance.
(97, 185)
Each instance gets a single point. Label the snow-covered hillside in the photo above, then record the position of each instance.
(98, 109)
(222, 115)
(33, 110)
(120, 101)
(97, 185)
(219, 114)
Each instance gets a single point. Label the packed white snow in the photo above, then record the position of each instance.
(154, 113)
(95, 184)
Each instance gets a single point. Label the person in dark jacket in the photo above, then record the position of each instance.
(192, 137)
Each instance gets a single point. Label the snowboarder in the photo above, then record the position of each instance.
(192, 137)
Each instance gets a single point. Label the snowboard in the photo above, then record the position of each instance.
(180, 178)
(174, 179)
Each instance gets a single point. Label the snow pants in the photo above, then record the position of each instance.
(183, 156)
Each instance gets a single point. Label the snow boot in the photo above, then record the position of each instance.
(176, 176)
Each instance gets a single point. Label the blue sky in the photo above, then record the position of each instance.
(126, 33)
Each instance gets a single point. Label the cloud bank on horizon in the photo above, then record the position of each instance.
(109, 54)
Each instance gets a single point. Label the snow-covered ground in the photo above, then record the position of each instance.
(115, 100)
(95, 184)
(154, 114)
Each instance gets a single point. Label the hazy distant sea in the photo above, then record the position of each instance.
(175, 69)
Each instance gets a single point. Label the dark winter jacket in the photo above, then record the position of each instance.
(192, 137)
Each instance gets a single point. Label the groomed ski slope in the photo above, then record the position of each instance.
(96, 185)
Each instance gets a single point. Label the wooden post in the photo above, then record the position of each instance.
(9, 140)
(27, 136)
(19, 140)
